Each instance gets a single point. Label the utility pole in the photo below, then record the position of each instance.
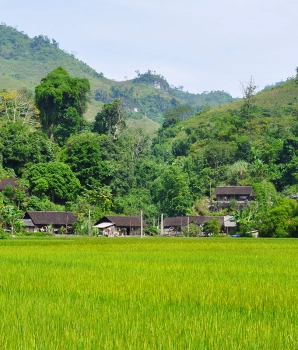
(89, 224)
(161, 225)
(188, 226)
(141, 223)
(66, 226)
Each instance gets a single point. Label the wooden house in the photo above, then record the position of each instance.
(173, 225)
(41, 220)
(119, 225)
(239, 193)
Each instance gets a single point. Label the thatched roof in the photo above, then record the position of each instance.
(121, 221)
(183, 220)
(234, 190)
(50, 217)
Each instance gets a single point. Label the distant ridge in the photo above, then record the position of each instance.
(24, 61)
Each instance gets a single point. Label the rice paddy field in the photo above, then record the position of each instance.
(150, 293)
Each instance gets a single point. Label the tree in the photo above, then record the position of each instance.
(280, 220)
(62, 101)
(146, 171)
(237, 172)
(180, 147)
(243, 219)
(192, 230)
(135, 201)
(171, 191)
(18, 105)
(100, 197)
(136, 143)
(266, 196)
(175, 115)
(293, 227)
(275, 224)
(211, 227)
(110, 119)
(54, 179)
(248, 90)
(13, 195)
(219, 152)
(94, 158)
(214, 226)
(9, 215)
(20, 147)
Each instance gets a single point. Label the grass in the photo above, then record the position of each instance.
(154, 293)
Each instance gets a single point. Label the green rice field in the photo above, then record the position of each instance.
(149, 293)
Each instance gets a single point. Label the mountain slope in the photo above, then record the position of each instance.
(25, 61)
(273, 117)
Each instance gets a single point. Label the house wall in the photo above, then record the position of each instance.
(237, 197)
(30, 228)
(220, 205)
(114, 231)
(172, 231)
(133, 231)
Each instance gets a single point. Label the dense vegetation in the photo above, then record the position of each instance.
(67, 162)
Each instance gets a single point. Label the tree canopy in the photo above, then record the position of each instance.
(54, 179)
(110, 119)
(62, 101)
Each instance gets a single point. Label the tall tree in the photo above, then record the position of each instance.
(171, 192)
(91, 157)
(248, 90)
(176, 114)
(54, 179)
(110, 119)
(62, 101)
(20, 147)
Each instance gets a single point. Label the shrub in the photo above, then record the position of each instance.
(151, 230)
(193, 230)
(4, 234)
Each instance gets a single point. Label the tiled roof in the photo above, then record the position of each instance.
(183, 220)
(50, 217)
(228, 190)
(5, 182)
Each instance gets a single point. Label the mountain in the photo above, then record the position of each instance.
(24, 61)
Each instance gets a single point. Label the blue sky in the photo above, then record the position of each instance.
(200, 45)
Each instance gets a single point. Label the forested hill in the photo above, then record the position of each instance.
(25, 61)
(241, 143)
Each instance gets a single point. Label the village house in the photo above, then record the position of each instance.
(238, 193)
(34, 221)
(173, 225)
(119, 225)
